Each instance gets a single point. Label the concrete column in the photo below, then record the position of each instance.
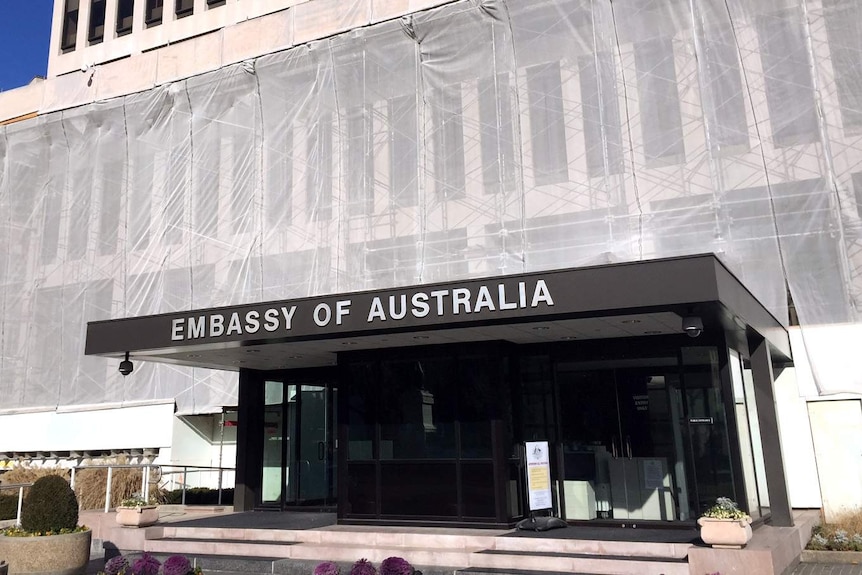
(767, 414)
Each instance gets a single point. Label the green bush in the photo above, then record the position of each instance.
(50, 506)
(198, 496)
(8, 507)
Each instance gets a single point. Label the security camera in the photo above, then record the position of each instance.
(692, 326)
(126, 366)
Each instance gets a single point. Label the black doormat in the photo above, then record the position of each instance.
(262, 520)
(586, 532)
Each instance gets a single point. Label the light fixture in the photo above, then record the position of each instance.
(420, 337)
(126, 366)
(652, 332)
(568, 338)
(692, 325)
(541, 328)
(631, 321)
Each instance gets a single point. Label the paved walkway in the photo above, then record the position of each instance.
(827, 569)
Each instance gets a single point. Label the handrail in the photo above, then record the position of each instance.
(20, 487)
(145, 476)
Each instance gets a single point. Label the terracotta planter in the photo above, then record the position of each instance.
(141, 516)
(725, 533)
(66, 554)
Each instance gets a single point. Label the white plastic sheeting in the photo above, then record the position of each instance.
(481, 138)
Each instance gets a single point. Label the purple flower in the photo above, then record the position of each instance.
(395, 566)
(146, 565)
(176, 565)
(363, 567)
(325, 568)
(116, 565)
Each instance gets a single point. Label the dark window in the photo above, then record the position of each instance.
(360, 161)
(661, 121)
(125, 13)
(184, 8)
(279, 180)
(857, 190)
(70, 25)
(153, 12)
(215, 3)
(109, 209)
(96, 32)
(403, 164)
(602, 134)
(448, 141)
(318, 181)
(787, 72)
(723, 92)
(844, 32)
(547, 124)
(498, 145)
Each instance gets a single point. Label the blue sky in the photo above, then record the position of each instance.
(25, 30)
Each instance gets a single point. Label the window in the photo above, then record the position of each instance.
(547, 124)
(844, 32)
(601, 111)
(153, 12)
(723, 92)
(215, 3)
(448, 141)
(661, 120)
(125, 12)
(318, 181)
(70, 26)
(360, 161)
(498, 145)
(786, 71)
(403, 164)
(184, 8)
(96, 32)
(857, 190)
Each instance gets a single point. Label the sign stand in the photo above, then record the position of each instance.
(538, 470)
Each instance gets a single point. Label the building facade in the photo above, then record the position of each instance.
(192, 156)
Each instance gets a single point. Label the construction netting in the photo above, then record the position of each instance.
(480, 138)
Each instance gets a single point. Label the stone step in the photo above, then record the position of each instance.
(577, 563)
(592, 547)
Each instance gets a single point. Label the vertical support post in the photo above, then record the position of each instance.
(72, 481)
(108, 489)
(146, 491)
(767, 414)
(185, 480)
(220, 472)
(20, 505)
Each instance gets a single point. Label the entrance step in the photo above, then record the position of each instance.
(471, 554)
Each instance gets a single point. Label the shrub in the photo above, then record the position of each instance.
(327, 568)
(363, 567)
(146, 565)
(50, 506)
(176, 565)
(116, 565)
(395, 566)
(8, 507)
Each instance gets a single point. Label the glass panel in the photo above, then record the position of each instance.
(745, 447)
(417, 419)
(477, 489)
(362, 489)
(361, 411)
(478, 395)
(314, 445)
(419, 488)
(273, 442)
(756, 443)
(707, 426)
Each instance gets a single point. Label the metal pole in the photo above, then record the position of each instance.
(108, 489)
(20, 504)
(220, 454)
(147, 483)
(72, 482)
(144, 482)
(219, 485)
(185, 480)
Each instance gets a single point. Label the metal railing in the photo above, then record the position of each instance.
(20, 487)
(150, 470)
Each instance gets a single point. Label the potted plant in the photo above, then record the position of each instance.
(49, 539)
(135, 511)
(725, 525)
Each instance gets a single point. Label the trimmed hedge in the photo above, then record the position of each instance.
(51, 505)
(8, 507)
(199, 496)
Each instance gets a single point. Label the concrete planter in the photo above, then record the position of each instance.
(725, 533)
(66, 554)
(832, 557)
(4, 568)
(140, 516)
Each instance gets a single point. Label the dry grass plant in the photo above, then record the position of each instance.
(89, 483)
(850, 521)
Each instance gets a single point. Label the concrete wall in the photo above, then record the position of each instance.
(836, 427)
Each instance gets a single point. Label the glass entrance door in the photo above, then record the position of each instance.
(299, 445)
(621, 441)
